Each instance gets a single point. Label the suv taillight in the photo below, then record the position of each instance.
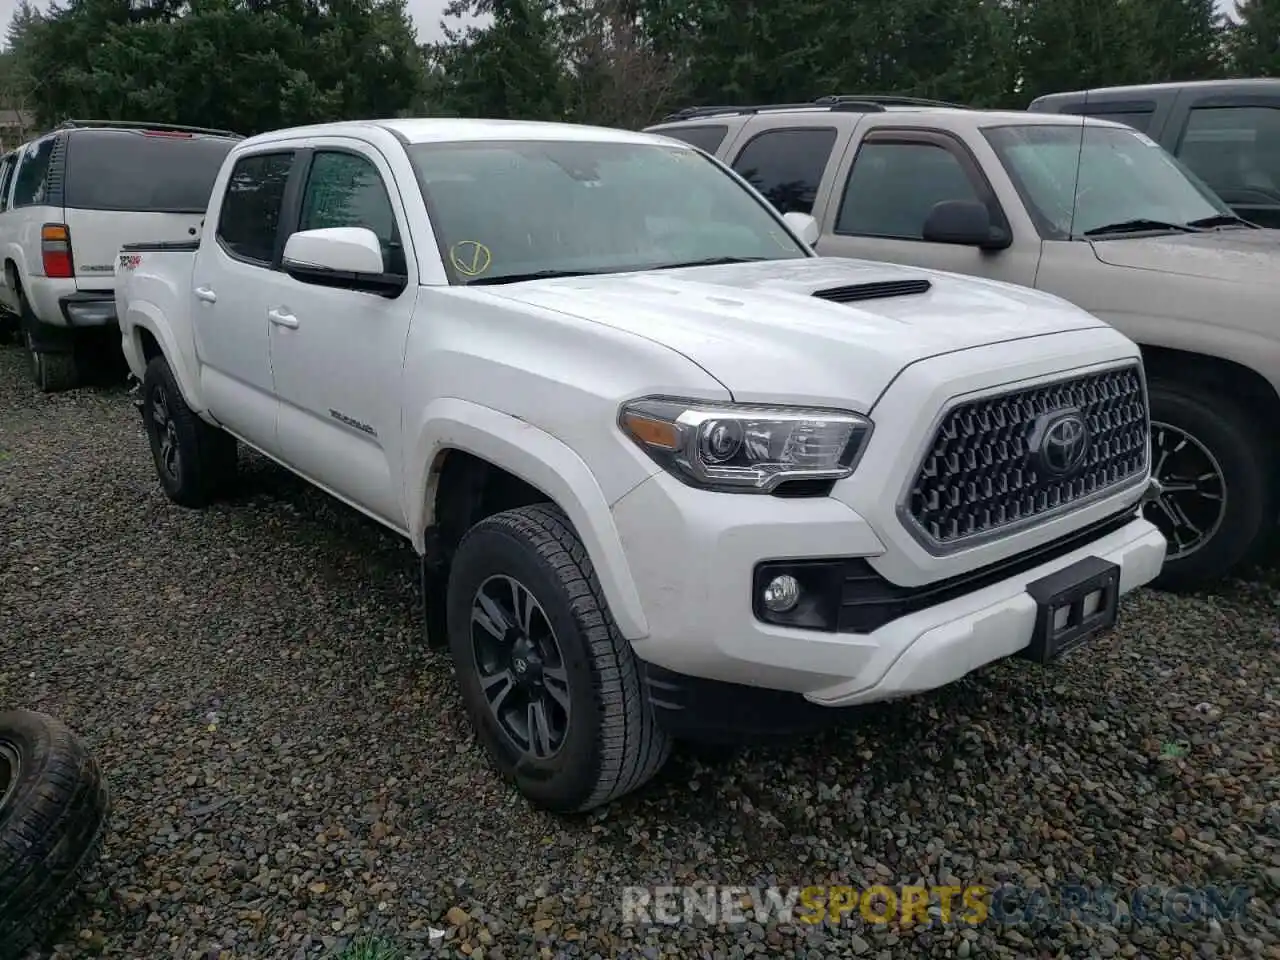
(55, 251)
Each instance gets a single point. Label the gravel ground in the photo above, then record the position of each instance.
(291, 770)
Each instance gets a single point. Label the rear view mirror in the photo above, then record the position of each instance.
(966, 223)
(348, 257)
(804, 225)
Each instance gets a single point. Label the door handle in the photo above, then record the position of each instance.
(207, 295)
(282, 319)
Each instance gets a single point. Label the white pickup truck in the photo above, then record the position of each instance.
(670, 474)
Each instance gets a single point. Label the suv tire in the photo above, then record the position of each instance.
(1192, 427)
(194, 460)
(554, 644)
(54, 808)
(52, 371)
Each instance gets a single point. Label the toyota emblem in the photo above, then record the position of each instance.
(1064, 443)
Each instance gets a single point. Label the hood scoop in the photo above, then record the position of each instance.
(873, 291)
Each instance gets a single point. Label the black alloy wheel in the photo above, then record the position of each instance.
(1193, 499)
(166, 434)
(520, 666)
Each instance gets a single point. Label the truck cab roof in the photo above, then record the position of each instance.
(448, 129)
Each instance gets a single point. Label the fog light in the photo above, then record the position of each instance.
(782, 593)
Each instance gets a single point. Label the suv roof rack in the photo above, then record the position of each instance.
(852, 103)
(890, 100)
(161, 127)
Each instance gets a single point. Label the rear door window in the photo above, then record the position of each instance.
(1236, 151)
(1137, 117)
(706, 137)
(6, 179)
(129, 170)
(33, 173)
(787, 165)
(249, 222)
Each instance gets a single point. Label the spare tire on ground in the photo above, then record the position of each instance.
(54, 808)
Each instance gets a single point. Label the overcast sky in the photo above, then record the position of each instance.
(426, 15)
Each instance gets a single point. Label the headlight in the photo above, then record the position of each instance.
(745, 448)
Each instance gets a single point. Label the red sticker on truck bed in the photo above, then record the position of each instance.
(130, 260)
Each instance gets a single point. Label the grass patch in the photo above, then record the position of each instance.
(370, 949)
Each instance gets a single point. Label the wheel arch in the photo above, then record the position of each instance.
(150, 336)
(15, 268)
(1240, 383)
(470, 461)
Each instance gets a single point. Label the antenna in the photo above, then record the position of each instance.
(1075, 187)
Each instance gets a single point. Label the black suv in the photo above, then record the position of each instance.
(1227, 132)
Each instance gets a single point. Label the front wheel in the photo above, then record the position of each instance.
(1217, 476)
(551, 687)
(194, 460)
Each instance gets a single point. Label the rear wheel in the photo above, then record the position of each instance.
(194, 460)
(51, 349)
(1216, 468)
(551, 687)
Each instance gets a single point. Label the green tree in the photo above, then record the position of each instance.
(1254, 43)
(16, 73)
(1179, 39)
(740, 51)
(1073, 44)
(247, 65)
(510, 68)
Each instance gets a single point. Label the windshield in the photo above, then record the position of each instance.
(1124, 176)
(510, 209)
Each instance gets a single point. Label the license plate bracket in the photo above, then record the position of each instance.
(1073, 605)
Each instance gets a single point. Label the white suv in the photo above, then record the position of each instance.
(68, 200)
(669, 473)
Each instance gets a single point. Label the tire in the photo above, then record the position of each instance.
(194, 461)
(52, 371)
(611, 743)
(54, 810)
(1195, 427)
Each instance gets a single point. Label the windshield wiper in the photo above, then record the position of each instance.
(520, 277)
(1222, 220)
(1138, 225)
(707, 262)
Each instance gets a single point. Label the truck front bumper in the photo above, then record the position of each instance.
(698, 557)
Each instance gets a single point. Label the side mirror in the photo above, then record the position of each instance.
(964, 222)
(346, 257)
(804, 225)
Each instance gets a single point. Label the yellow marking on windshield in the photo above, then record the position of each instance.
(470, 258)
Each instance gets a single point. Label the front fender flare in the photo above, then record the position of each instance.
(540, 460)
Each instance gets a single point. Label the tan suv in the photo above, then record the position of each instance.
(1088, 209)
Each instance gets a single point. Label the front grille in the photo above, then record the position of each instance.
(985, 470)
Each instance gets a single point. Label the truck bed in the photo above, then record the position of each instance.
(153, 293)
